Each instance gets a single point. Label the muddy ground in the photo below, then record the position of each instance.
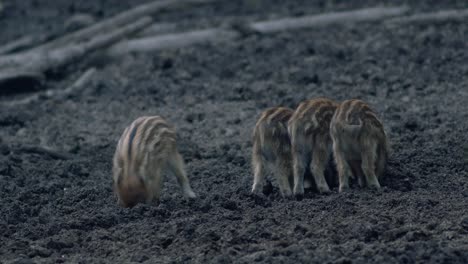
(414, 75)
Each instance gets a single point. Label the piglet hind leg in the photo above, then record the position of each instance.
(155, 183)
(176, 166)
(342, 166)
(369, 157)
(381, 162)
(356, 168)
(283, 172)
(319, 162)
(298, 172)
(259, 170)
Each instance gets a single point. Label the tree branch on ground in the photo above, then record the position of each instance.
(28, 65)
(54, 93)
(64, 50)
(22, 43)
(439, 16)
(367, 14)
(117, 21)
(177, 40)
(157, 29)
(217, 34)
(43, 151)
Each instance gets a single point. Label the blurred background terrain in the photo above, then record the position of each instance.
(58, 206)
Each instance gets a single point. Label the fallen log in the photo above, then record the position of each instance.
(117, 21)
(217, 34)
(17, 67)
(14, 79)
(23, 43)
(439, 16)
(63, 56)
(30, 41)
(40, 61)
(157, 29)
(43, 151)
(167, 41)
(367, 14)
(63, 50)
(54, 93)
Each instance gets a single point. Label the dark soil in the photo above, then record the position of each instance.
(416, 76)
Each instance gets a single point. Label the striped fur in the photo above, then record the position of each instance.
(147, 149)
(309, 129)
(272, 149)
(360, 144)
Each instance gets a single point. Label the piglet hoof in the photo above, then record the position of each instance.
(374, 184)
(190, 195)
(299, 194)
(299, 190)
(343, 188)
(256, 189)
(287, 194)
(299, 197)
(323, 189)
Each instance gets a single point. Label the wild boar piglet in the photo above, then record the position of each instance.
(272, 149)
(360, 144)
(309, 129)
(146, 150)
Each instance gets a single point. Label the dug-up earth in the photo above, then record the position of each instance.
(414, 75)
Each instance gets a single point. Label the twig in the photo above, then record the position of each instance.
(22, 43)
(77, 85)
(439, 16)
(171, 41)
(367, 14)
(23, 101)
(157, 29)
(44, 151)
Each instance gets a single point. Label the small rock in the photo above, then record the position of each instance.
(4, 149)
(59, 244)
(229, 132)
(464, 223)
(344, 260)
(140, 258)
(465, 193)
(416, 236)
(230, 205)
(40, 251)
(411, 125)
(449, 235)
